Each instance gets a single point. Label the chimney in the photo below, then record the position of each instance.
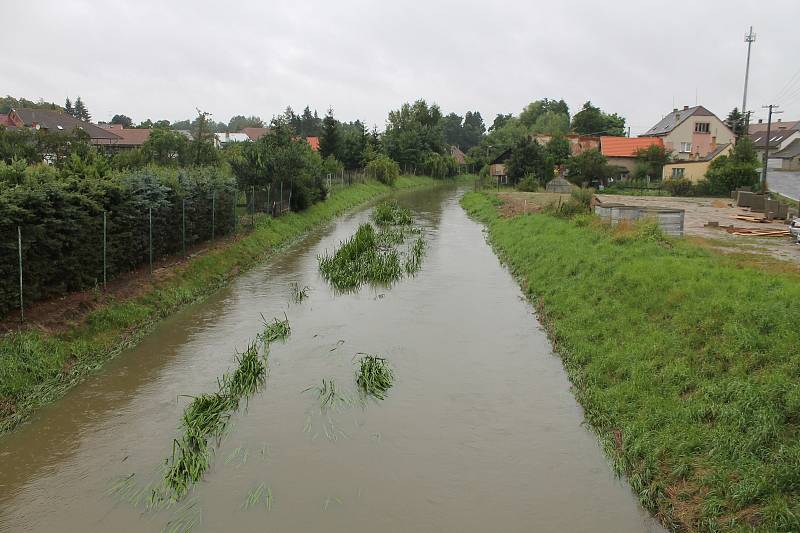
(675, 110)
(686, 107)
(713, 143)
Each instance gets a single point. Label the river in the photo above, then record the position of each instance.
(479, 433)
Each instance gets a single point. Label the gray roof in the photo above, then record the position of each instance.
(674, 119)
(793, 150)
(57, 121)
(775, 137)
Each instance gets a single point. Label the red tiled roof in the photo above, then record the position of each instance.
(626, 146)
(129, 136)
(6, 121)
(314, 142)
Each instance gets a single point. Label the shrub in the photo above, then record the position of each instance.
(528, 184)
(440, 166)
(384, 169)
(582, 197)
(679, 187)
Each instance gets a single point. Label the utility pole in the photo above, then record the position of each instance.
(766, 148)
(749, 39)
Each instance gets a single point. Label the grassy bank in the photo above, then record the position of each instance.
(37, 367)
(687, 364)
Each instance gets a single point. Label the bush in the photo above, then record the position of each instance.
(440, 166)
(582, 197)
(62, 225)
(528, 184)
(384, 169)
(679, 187)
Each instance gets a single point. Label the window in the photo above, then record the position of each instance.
(686, 147)
(677, 173)
(702, 127)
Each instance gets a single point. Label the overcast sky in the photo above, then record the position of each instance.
(163, 59)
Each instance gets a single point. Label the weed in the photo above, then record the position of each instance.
(260, 495)
(275, 330)
(389, 213)
(374, 376)
(329, 395)
(299, 294)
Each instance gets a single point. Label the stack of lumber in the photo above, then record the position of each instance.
(748, 218)
(758, 232)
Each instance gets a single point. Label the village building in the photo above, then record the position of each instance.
(129, 138)
(55, 121)
(692, 133)
(695, 169)
(621, 151)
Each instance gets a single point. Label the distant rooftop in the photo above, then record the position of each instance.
(626, 146)
(674, 119)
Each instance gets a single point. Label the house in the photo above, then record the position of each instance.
(577, 143)
(6, 121)
(778, 125)
(787, 158)
(694, 169)
(497, 167)
(779, 139)
(692, 133)
(458, 155)
(56, 121)
(129, 138)
(221, 139)
(255, 133)
(621, 151)
(313, 142)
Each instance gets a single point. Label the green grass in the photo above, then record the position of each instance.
(374, 376)
(389, 213)
(687, 365)
(37, 367)
(361, 259)
(277, 330)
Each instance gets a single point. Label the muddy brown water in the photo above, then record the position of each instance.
(479, 433)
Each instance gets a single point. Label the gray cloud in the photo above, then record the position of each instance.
(163, 59)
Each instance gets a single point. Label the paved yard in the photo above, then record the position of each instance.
(700, 211)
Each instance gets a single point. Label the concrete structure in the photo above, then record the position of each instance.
(692, 133)
(694, 170)
(621, 151)
(670, 220)
(559, 185)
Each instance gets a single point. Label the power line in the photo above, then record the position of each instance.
(783, 91)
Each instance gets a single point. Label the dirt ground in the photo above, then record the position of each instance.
(701, 211)
(517, 203)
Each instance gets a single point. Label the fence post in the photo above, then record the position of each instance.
(104, 250)
(281, 208)
(213, 214)
(235, 200)
(150, 218)
(269, 188)
(253, 210)
(183, 226)
(21, 302)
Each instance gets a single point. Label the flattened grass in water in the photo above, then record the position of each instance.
(208, 414)
(329, 395)
(374, 376)
(389, 213)
(299, 294)
(369, 257)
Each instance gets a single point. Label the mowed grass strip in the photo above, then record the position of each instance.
(37, 367)
(687, 365)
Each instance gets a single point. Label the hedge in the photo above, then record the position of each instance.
(61, 223)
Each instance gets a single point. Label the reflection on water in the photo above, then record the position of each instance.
(478, 433)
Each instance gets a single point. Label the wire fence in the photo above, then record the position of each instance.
(75, 250)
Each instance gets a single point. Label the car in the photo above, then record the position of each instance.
(794, 229)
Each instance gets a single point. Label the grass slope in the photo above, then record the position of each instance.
(37, 368)
(687, 365)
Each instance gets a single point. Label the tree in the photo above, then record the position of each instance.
(529, 158)
(413, 132)
(535, 110)
(68, 109)
(739, 169)
(500, 121)
(203, 150)
(590, 120)
(354, 145)
(473, 130)
(122, 120)
(452, 130)
(80, 111)
(559, 149)
(588, 166)
(650, 161)
(238, 122)
(329, 141)
(736, 122)
(166, 147)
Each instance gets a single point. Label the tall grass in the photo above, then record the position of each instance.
(37, 367)
(686, 364)
(389, 213)
(208, 414)
(374, 376)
